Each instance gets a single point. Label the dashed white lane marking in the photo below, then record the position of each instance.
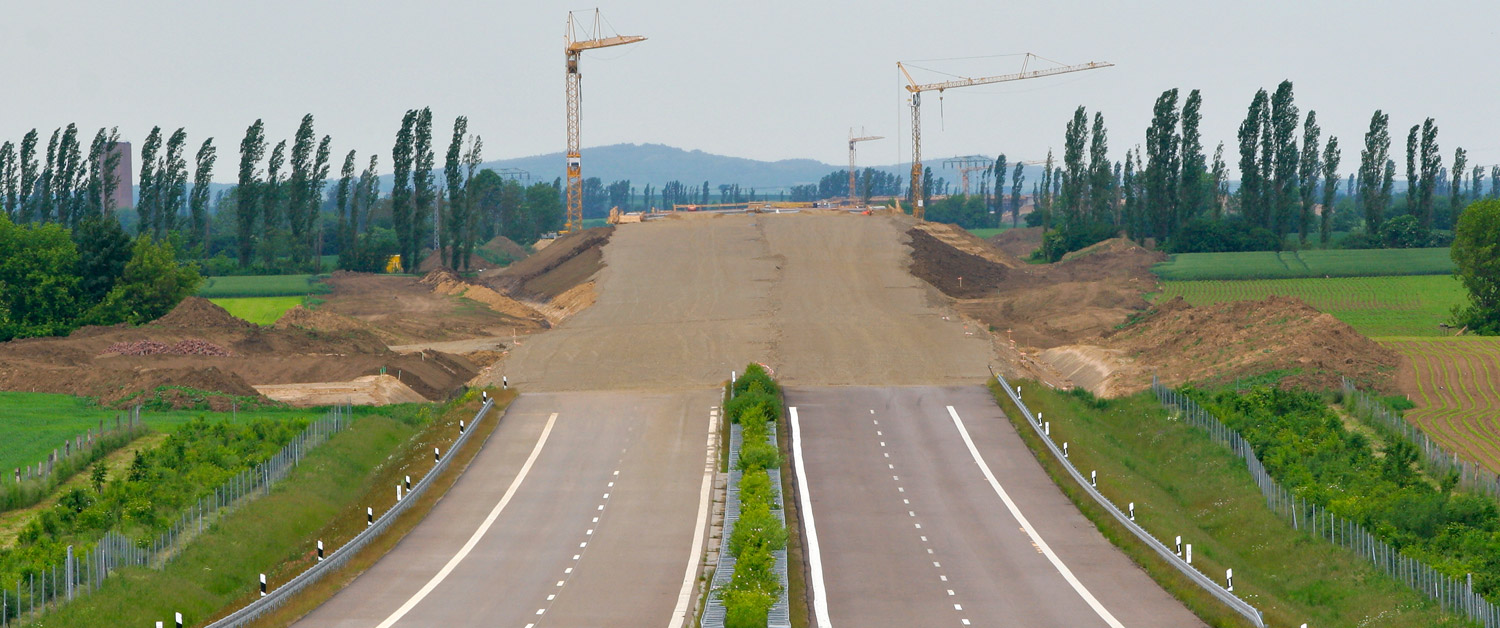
(559, 583)
(570, 569)
(680, 614)
(1036, 538)
(551, 597)
(814, 554)
(479, 533)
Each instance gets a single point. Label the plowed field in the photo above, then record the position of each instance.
(1455, 383)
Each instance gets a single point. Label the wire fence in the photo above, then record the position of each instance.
(1212, 586)
(46, 589)
(1439, 461)
(273, 599)
(1452, 594)
(33, 483)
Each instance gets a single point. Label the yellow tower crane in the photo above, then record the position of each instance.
(916, 89)
(852, 141)
(578, 40)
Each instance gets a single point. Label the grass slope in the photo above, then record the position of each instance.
(33, 424)
(1183, 483)
(1313, 263)
(988, 232)
(258, 310)
(1375, 306)
(261, 286)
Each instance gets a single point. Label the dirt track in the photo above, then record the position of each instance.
(823, 299)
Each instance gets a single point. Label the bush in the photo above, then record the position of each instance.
(757, 526)
(760, 455)
(1056, 244)
(754, 378)
(754, 401)
(1476, 252)
(1222, 236)
(1403, 232)
(1360, 240)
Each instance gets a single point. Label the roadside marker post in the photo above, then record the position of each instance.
(1189, 553)
(320, 551)
(1094, 479)
(369, 516)
(263, 585)
(1179, 547)
(460, 427)
(408, 483)
(1065, 449)
(179, 620)
(436, 455)
(1229, 578)
(1047, 428)
(398, 492)
(1132, 511)
(504, 382)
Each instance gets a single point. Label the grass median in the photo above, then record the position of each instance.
(1183, 483)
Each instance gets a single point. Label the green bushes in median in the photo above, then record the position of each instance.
(758, 532)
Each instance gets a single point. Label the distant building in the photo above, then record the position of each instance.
(125, 176)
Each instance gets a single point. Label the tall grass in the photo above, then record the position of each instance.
(262, 286)
(1313, 263)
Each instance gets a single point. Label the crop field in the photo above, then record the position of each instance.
(1315, 263)
(36, 423)
(1375, 306)
(1455, 383)
(261, 286)
(259, 310)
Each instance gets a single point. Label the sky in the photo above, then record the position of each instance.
(768, 79)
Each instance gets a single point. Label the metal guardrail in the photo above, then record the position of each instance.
(1208, 584)
(779, 615)
(275, 598)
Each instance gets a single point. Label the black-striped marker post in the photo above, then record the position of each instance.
(369, 516)
(436, 455)
(263, 585)
(460, 426)
(320, 551)
(408, 483)
(179, 620)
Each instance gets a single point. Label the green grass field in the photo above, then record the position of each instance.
(33, 424)
(1182, 483)
(259, 310)
(261, 286)
(1375, 306)
(1315, 263)
(988, 233)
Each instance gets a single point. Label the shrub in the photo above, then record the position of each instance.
(761, 455)
(746, 609)
(764, 403)
(1404, 232)
(756, 487)
(757, 527)
(755, 377)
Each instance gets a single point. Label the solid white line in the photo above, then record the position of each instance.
(478, 533)
(1057, 563)
(814, 555)
(705, 495)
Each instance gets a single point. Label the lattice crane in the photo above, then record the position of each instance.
(916, 89)
(578, 40)
(852, 141)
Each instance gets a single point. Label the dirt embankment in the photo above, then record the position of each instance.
(1019, 243)
(403, 311)
(80, 364)
(501, 246)
(1225, 342)
(566, 263)
(1066, 323)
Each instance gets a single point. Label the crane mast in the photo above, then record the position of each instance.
(852, 141)
(576, 43)
(919, 209)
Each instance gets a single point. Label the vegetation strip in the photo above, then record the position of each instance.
(1313, 263)
(1375, 306)
(1208, 584)
(751, 582)
(1339, 488)
(340, 555)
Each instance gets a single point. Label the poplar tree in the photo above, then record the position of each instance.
(1102, 174)
(203, 175)
(299, 188)
(1163, 165)
(1191, 186)
(1251, 185)
(314, 200)
(1074, 181)
(1371, 161)
(423, 193)
(472, 158)
(1476, 185)
(171, 183)
(146, 203)
(1456, 196)
(1042, 199)
(342, 203)
(1495, 181)
(65, 177)
(109, 179)
(1308, 173)
(453, 223)
(28, 179)
(1018, 179)
(93, 192)
(247, 194)
(1000, 170)
(273, 205)
(9, 186)
(1220, 183)
(1413, 178)
(1284, 118)
(1431, 162)
(1331, 157)
(401, 214)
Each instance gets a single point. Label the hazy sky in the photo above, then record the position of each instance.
(764, 79)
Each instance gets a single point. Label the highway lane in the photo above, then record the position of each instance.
(912, 533)
(599, 531)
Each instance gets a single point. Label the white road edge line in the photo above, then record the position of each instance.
(814, 555)
(1030, 531)
(478, 533)
(705, 496)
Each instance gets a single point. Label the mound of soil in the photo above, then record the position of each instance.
(565, 263)
(445, 282)
(319, 320)
(1225, 342)
(200, 313)
(957, 273)
(190, 346)
(505, 246)
(1019, 243)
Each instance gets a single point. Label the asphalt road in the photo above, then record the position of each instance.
(911, 532)
(600, 531)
